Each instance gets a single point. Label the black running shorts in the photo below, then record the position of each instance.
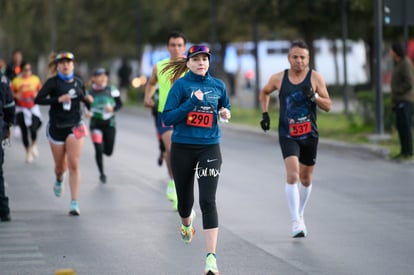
(304, 149)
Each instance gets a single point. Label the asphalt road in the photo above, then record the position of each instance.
(359, 218)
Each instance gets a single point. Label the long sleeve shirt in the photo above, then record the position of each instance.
(402, 82)
(195, 121)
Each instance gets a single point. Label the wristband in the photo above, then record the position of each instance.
(315, 97)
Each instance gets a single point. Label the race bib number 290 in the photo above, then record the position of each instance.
(199, 119)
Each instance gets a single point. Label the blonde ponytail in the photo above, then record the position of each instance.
(52, 66)
(175, 68)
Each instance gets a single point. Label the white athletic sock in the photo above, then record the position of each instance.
(304, 194)
(292, 195)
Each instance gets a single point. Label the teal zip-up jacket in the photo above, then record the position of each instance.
(186, 113)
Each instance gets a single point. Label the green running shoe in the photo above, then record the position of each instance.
(175, 205)
(171, 194)
(188, 232)
(211, 265)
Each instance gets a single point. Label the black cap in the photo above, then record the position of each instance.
(398, 49)
(100, 71)
(64, 56)
(198, 49)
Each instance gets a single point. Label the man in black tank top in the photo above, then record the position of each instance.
(301, 90)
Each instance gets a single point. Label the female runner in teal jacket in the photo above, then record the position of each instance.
(195, 104)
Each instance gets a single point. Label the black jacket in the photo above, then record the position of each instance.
(7, 107)
(49, 95)
(402, 82)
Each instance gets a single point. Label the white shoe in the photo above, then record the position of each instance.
(298, 230)
(17, 132)
(305, 230)
(29, 157)
(35, 151)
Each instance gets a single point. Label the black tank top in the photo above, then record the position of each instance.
(297, 117)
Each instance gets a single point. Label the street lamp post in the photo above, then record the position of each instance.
(379, 112)
(52, 18)
(213, 30)
(344, 28)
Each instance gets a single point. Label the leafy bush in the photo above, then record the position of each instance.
(335, 90)
(135, 95)
(367, 108)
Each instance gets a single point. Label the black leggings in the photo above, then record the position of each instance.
(105, 146)
(403, 114)
(203, 162)
(32, 129)
(4, 200)
(161, 145)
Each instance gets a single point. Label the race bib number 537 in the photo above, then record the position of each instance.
(298, 129)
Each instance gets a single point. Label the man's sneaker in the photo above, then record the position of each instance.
(58, 188)
(74, 208)
(187, 232)
(171, 194)
(305, 230)
(102, 178)
(298, 230)
(211, 265)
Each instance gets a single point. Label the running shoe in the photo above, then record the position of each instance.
(34, 151)
(171, 194)
(211, 265)
(58, 188)
(102, 178)
(188, 232)
(175, 205)
(298, 230)
(160, 159)
(305, 230)
(29, 157)
(5, 217)
(74, 208)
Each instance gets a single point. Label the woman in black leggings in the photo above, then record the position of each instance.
(195, 104)
(107, 100)
(28, 117)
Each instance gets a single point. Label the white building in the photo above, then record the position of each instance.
(273, 55)
(273, 58)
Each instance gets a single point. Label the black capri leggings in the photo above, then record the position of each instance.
(26, 131)
(103, 138)
(203, 162)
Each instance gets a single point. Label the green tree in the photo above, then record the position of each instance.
(100, 29)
